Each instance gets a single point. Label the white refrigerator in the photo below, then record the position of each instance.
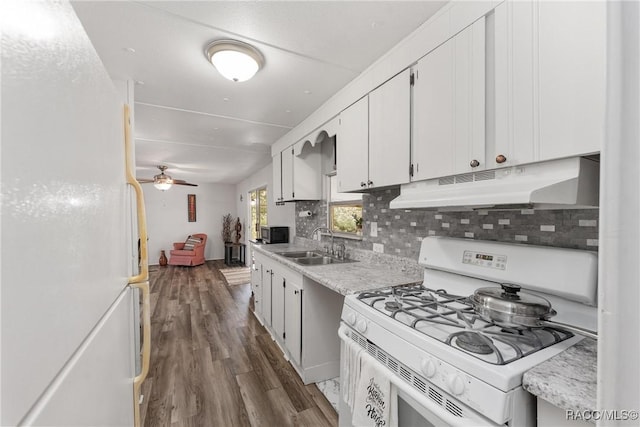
(67, 351)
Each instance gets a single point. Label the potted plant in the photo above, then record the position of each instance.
(358, 220)
(227, 220)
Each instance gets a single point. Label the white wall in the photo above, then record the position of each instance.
(619, 274)
(276, 215)
(167, 216)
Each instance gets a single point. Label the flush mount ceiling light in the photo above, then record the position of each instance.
(234, 59)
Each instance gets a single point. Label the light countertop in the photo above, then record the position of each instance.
(343, 278)
(568, 380)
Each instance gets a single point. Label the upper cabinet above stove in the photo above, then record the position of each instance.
(548, 62)
(449, 107)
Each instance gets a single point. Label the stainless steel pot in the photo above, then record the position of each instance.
(509, 307)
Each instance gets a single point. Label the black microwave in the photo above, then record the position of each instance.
(274, 234)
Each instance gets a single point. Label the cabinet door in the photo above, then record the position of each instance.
(432, 148)
(469, 100)
(389, 132)
(513, 115)
(256, 287)
(306, 180)
(287, 174)
(352, 147)
(277, 178)
(267, 281)
(293, 319)
(572, 66)
(277, 304)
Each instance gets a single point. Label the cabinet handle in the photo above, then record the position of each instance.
(363, 184)
(267, 271)
(474, 163)
(295, 292)
(369, 183)
(500, 158)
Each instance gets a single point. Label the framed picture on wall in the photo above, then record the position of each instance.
(191, 207)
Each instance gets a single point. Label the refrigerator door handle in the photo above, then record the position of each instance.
(141, 280)
(143, 276)
(146, 348)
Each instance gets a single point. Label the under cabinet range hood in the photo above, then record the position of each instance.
(555, 184)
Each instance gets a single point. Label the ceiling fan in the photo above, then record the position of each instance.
(163, 182)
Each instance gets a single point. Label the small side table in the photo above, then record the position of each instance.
(234, 253)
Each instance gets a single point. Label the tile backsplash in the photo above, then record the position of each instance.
(402, 230)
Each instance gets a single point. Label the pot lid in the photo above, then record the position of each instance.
(509, 300)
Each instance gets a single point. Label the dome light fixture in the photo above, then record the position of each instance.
(162, 181)
(235, 60)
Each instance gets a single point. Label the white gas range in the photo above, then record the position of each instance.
(451, 366)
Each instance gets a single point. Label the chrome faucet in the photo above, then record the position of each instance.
(315, 230)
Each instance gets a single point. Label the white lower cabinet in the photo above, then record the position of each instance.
(256, 288)
(293, 320)
(304, 317)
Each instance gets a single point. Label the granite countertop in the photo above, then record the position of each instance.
(343, 278)
(567, 380)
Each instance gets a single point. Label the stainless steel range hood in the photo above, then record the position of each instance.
(555, 184)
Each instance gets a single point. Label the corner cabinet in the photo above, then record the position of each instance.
(449, 107)
(301, 165)
(373, 144)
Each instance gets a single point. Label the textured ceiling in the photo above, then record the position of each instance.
(209, 129)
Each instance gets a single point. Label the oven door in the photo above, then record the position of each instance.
(414, 408)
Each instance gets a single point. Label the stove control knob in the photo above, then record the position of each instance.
(456, 384)
(351, 318)
(428, 367)
(361, 326)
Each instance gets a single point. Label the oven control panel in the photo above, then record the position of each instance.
(483, 259)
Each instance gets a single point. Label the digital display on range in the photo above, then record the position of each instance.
(484, 257)
(485, 260)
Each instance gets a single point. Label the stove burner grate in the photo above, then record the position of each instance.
(474, 342)
(392, 305)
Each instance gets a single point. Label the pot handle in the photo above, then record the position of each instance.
(510, 290)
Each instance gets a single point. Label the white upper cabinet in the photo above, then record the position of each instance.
(390, 132)
(449, 107)
(277, 178)
(373, 144)
(548, 61)
(352, 147)
(301, 165)
(572, 66)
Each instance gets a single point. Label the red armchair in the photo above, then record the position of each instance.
(180, 256)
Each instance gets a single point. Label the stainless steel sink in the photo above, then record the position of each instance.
(300, 254)
(323, 260)
(312, 258)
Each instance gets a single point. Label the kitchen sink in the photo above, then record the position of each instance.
(300, 254)
(312, 258)
(321, 260)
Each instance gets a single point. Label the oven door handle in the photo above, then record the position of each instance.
(430, 406)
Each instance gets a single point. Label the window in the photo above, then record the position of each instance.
(258, 202)
(345, 210)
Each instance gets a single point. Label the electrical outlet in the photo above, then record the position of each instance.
(374, 229)
(378, 247)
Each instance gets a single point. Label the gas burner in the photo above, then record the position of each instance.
(392, 305)
(474, 342)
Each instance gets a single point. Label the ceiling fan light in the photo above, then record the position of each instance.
(162, 185)
(235, 60)
(162, 181)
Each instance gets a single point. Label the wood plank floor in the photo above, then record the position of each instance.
(213, 364)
